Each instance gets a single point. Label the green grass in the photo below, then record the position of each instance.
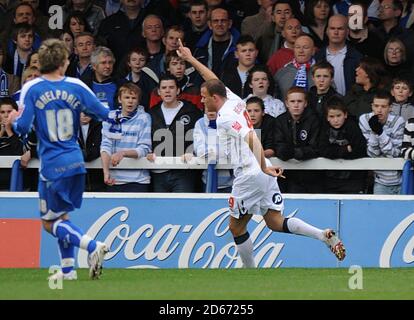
(211, 284)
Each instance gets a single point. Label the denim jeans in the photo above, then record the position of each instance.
(382, 189)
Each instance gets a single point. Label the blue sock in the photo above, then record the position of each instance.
(66, 231)
(67, 256)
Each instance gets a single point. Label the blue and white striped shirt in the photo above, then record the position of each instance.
(136, 135)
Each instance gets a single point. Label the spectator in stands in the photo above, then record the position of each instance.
(93, 13)
(344, 58)
(196, 24)
(395, 57)
(170, 41)
(407, 149)
(23, 13)
(122, 31)
(172, 119)
(262, 84)
(81, 66)
(407, 16)
(384, 132)
(235, 75)
(22, 35)
(30, 73)
(33, 60)
(216, 47)
(131, 138)
(76, 23)
(142, 76)
(363, 38)
(90, 136)
(322, 76)
(271, 40)
(257, 24)
(153, 33)
(341, 138)
(206, 146)
(263, 124)
(41, 21)
(69, 40)
(291, 31)
(369, 76)
(9, 83)
(402, 91)
(296, 137)
(389, 15)
(10, 143)
(176, 66)
(101, 81)
(318, 12)
(297, 72)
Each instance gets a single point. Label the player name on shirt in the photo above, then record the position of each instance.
(52, 95)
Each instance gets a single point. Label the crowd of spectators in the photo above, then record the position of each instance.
(321, 78)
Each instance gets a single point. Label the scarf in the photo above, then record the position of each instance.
(301, 78)
(115, 120)
(4, 84)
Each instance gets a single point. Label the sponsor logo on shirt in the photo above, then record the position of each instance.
(236, 126)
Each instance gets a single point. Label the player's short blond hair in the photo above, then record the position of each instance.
(52, 55)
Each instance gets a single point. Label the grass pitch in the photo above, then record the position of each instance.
(211, 284)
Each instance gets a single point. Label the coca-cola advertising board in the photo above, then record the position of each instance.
(191, 231)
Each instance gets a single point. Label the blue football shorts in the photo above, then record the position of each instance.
(60, 196)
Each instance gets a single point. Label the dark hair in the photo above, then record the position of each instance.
(374, 69)
(21, 4)
(323, 64)
(265, 69)
(171, 55)
(382, 94)
(309, 8)
(404, 80)
(10, 101)
(166, 77)
(244, 39)
(80, 17)
(397, 5)
(257, 100)
(215, 86)
(198, 3)
(21, 28)
(335, 103)
(281, 2)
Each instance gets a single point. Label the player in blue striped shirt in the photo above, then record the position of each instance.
(53, 103)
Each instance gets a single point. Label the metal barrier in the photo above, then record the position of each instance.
(16, 183)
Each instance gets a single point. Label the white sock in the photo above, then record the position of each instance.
(298, 226)
(245, 248)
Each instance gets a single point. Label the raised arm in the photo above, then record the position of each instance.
(185, 53)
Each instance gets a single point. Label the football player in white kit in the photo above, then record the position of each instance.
(255, 189)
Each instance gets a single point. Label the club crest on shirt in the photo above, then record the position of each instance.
(303, 135)
(239, 108)
(236, 126)
(184, 120)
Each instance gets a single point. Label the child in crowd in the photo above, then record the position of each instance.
(323, 77)
(176, 66)
(296, 137)
(140, 75)
(384, 132)
(130, 138)
(262, 84)
(341, 138)
(402, 90)
(263, 124)
(206, 145)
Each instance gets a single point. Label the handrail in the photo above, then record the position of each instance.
(196, 163)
